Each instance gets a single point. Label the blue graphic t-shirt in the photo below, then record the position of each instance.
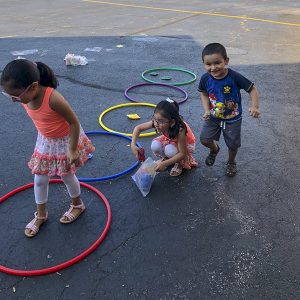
(224, 95)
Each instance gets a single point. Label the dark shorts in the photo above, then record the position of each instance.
(211, 130)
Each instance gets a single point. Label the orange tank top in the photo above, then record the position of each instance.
(190, 138)
(47, 121)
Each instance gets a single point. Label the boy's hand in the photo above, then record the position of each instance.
(254, 112)
(206, 115)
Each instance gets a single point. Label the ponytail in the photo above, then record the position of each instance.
(47, 77)
(174, 130)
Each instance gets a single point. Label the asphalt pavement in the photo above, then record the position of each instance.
(199, 236)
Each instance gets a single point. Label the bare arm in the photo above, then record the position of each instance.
(254, 108)
(136, 132)
(61, 106)
(205, 103)
(181, 140)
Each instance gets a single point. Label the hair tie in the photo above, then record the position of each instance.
(170, 100)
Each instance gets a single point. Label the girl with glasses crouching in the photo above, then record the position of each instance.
(176, 143)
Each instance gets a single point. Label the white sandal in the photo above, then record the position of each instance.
(176, 170)
(31, 225)
(71, 217)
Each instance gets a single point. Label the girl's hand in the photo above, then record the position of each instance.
(206, 115)
(161, 166)
(254, 112)
(72, 156)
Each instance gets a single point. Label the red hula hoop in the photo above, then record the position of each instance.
(72, 261)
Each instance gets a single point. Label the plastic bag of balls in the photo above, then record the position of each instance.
(144, 176)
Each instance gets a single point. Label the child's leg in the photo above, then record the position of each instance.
(231, 155)
(41, 188)
(210, 133)
(72, 183)
(232, 137)
(214, 150)
(157, 148)
(170, 151)
(231, 168)
(211, 144)
(77, 206)
(191, 149)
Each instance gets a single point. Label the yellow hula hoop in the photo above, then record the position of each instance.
(124, 105)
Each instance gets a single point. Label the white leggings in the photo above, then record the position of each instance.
(169, 151)
(41, 187)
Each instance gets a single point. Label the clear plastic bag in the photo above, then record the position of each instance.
(144, 176)
(75, 60)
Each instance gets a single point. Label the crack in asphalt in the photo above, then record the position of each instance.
(13, 285)
(101, 87)
(92, 85)
(124, 242)
(113, 250)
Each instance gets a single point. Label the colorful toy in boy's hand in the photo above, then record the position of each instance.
(141, 154)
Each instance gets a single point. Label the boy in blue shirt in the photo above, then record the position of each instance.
(221, 99)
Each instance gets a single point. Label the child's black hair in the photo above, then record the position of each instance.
(214, 48)
(20, 73)
(170, 111)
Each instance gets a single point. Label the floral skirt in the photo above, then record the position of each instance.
(50, 155)
(189, 161)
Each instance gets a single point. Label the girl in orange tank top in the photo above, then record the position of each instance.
(176, 143)
(61, 146)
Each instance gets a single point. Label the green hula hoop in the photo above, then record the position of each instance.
(123, 105)
(170, 69)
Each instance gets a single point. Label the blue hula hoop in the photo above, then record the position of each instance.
(114, 175)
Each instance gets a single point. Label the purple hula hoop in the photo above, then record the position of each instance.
(156, 84)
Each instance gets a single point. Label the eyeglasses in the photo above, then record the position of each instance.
(17, 98)
(160, 121)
